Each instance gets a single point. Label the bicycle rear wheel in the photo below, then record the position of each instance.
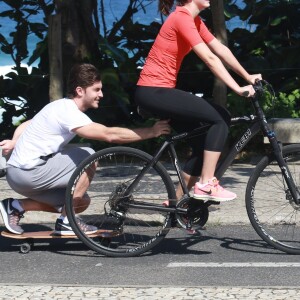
(270, 207)
(126, 230)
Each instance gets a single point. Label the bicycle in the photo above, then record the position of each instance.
(129, 186)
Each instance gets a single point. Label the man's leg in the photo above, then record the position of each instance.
(32, 205)
(45, 186)
(80, 199)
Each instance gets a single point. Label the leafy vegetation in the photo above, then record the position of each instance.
(267, 43)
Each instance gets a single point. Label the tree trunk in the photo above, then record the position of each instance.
(79, 37)
(217, 8)
(55, 58)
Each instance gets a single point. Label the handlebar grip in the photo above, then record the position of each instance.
(245, 94)
(258, 85)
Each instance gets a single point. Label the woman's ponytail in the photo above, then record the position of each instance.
(165, 6)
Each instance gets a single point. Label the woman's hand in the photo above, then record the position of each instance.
(252, 78)
(246, 91)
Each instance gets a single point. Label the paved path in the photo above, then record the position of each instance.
(50, 292)
(233, 212)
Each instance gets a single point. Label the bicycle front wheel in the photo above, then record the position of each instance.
(124, 230)
(270, 206)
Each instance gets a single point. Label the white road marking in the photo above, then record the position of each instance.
(233, 265)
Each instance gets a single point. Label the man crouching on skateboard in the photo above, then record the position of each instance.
(41, 164)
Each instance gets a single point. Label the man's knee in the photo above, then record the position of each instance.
(81, 203)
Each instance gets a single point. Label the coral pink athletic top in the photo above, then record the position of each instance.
(177, 36)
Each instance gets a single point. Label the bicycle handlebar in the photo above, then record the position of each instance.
(261, 87)
(259, 84)
(258, 87)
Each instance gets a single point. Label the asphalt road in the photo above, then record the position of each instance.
(221, 256)
(228, 261)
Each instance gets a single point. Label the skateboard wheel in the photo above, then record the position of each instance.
(25, 248)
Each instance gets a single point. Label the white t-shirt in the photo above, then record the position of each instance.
(47, 133)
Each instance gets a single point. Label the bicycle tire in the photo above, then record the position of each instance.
(141, 229)
(271, 210)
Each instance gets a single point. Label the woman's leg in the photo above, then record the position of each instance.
(189, 181)
(187, 108)
(210, 160)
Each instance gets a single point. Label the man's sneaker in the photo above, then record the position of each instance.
(11, 216)
(212, 191)
(62, 228)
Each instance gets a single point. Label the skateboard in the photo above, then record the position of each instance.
(29, 237)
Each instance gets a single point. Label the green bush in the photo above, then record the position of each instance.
(284, 105)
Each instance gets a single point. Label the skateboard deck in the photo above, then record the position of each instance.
(30, 236)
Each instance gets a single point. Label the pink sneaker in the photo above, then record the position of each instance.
(212, 191)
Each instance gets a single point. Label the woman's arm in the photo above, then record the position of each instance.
(216, 66)
(225, 54)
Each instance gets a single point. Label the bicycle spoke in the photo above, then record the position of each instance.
(270, 206)
(138, 229)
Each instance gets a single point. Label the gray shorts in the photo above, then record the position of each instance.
(47, 182)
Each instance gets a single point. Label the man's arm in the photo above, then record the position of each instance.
(8, 145)
(118, 135)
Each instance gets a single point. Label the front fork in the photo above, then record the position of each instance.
(277, 146)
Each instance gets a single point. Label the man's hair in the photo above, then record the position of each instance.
(83, 75)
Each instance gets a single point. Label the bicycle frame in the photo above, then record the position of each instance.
(237, 147)
(257, 123)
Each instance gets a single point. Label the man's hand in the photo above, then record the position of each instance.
(161, 127)
(7, 146)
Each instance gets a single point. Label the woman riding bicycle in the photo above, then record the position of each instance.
(182, 32)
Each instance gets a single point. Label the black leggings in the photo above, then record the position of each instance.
(186, 112)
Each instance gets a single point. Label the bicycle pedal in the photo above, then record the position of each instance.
(195, 229)
(212, 202)
(191, 231)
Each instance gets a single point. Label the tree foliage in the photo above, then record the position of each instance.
(270, 47)
(268, 42)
